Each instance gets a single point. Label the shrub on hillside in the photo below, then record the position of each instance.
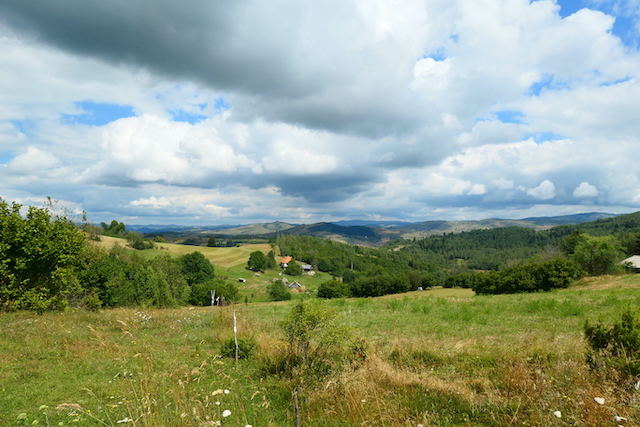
(39, 257)
(246, 347)
(278, 291)
(293, 269)
(333, 289)
(196, 268)
(378, 285)
(615, 349)
(532, 277)
(201, 292)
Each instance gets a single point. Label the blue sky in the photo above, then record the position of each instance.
(218, 113)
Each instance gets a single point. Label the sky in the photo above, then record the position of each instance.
(206, 112)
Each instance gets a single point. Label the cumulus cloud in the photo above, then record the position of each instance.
(354, 108)
(31, 162)
(545, 191)
(585, 190)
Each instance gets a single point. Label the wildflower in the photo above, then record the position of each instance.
(227, 392)
(226, 413)
(599, 400)
(558, 414)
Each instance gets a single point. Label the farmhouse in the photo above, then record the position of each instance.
(285, 261)
(295, 285)
(633, 261)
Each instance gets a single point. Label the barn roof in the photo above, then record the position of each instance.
(633, 260)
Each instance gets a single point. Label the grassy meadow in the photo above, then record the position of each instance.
(441, 357)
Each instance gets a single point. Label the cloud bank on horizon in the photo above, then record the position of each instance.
(205, 112)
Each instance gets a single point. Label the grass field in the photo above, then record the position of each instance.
(442, 357)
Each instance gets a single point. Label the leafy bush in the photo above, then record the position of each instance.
(533, 277)
(246, 347)
(197, 268)
(293, 269)
(39, 256)
(201, 292)
(333, 289)
(615, 349)
(380, 284)
(278, 291)
(257, 261)
(315, 336)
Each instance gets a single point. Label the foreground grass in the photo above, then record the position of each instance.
(437, 358)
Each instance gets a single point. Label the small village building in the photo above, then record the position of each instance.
(241, 280)
(284, 263)
(295, 285)
(633, 262)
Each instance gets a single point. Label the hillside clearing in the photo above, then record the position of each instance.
(220, 256)
(441, 357)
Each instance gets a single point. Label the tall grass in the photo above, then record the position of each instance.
(436, 358)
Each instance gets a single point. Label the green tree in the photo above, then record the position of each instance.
(115, 229)
(278, 291)
(135, 240)
(333, 289)
(39, 254)
(293, 269)
(171, 280)
(598, 255)
(196, 268)
(271, 260)
(211, 243)
(201, 292)
(257, 261)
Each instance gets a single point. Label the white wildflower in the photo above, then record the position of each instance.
(226, 413)
(599, 400)
(558, 414)
(227, 392)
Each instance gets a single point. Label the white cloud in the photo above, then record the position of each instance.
(155, 202)
(585, 190)
(33, 162)
(545, 191)
(396, 111)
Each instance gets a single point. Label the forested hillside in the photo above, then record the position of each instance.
(46, 262)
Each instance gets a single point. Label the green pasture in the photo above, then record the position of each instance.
(441, 357)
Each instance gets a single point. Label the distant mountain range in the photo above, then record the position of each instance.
(362, 232)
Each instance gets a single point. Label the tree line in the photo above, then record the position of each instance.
(46, 263)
